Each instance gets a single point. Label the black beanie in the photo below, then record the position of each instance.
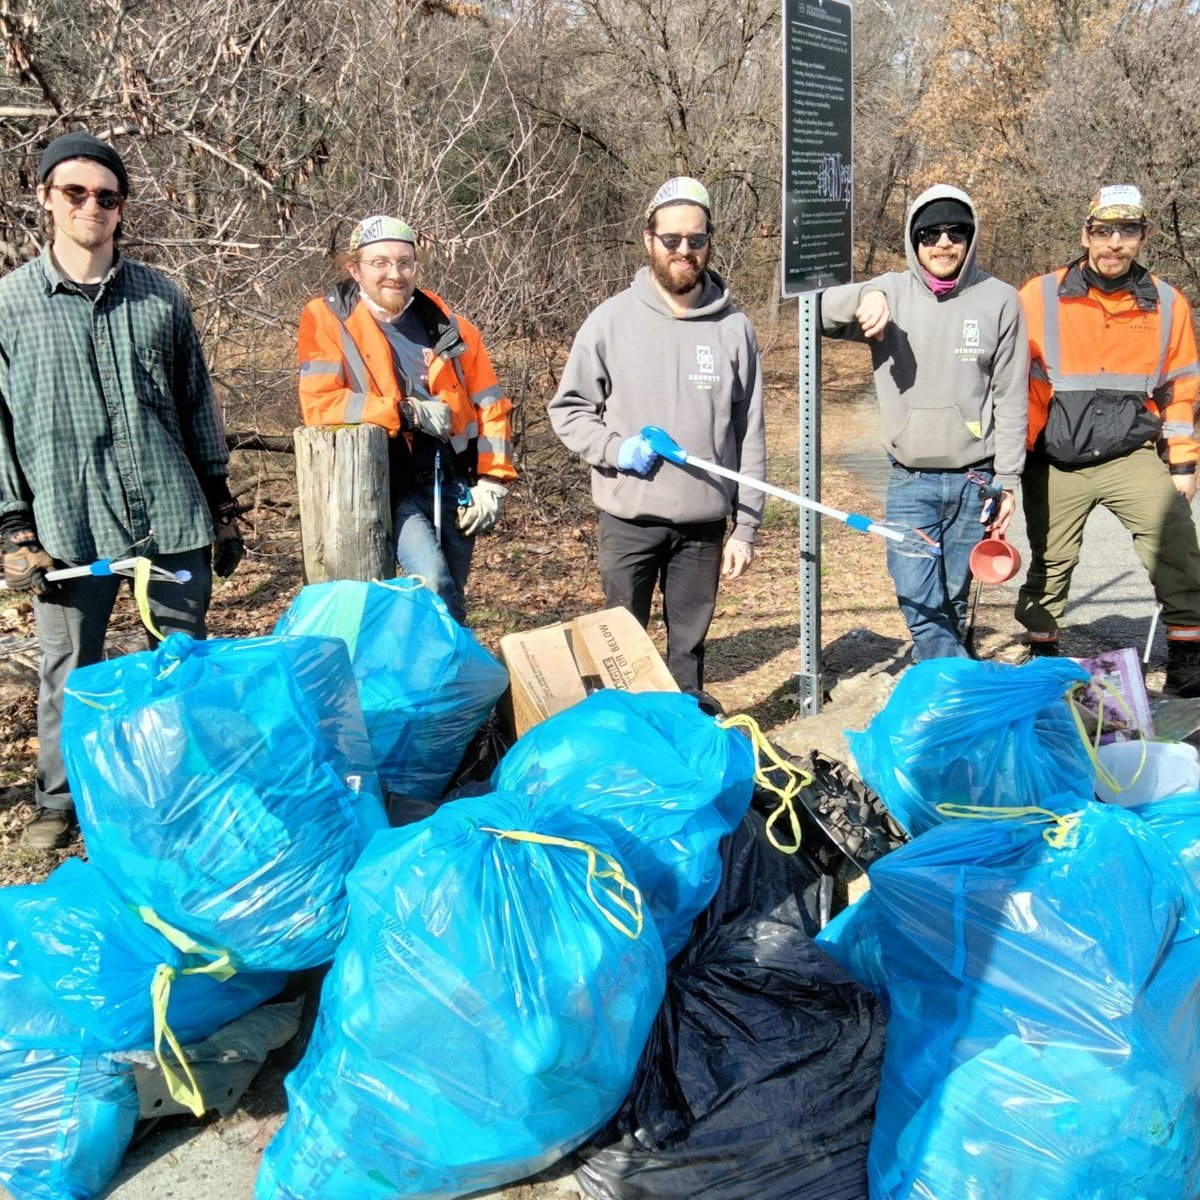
(82, 145)
(941, 212)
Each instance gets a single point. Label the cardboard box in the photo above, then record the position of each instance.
(557, 666)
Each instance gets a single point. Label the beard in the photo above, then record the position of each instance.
(391, 303)
(677, 273)
(90, 237)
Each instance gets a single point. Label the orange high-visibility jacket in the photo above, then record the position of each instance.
(1110, 371)
(348, 377)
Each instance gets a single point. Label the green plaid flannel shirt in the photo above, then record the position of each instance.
(107, 420)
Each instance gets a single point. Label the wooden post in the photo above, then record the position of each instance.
(345, 508)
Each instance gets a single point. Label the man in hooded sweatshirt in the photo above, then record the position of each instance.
(671, 350)
(951, 361)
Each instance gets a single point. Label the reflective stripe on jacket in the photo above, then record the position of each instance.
(1110, 371)
(348, 376)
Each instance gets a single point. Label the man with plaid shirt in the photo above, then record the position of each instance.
(110, 443)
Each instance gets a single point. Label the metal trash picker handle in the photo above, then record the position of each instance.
(665, 445)
(111, 566)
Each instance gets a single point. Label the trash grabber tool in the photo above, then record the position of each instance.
(437, 497)
(913, 542)
(113, 566)
(969, 630)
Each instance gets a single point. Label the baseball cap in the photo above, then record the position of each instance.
(381, 229)
(1118, 202)
(683, 189)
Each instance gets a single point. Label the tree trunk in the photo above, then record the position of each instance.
(345, 511)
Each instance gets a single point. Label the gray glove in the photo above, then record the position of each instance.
(483, 511)
(429, 416)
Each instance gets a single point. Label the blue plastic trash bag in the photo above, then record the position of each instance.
(66, 1113)
(98, 959)
(851, 939)
(227, 786)
(1176, 819)
(484, 1014)
(963, 732)
(665, 780)
(425, 683)
(1044, 1001)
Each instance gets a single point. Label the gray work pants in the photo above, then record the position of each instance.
(71, 623)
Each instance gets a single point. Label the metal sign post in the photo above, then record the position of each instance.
(818, 190)
(808, 679)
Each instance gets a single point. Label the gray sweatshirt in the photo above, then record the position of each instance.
(697, 374)
(951, 372)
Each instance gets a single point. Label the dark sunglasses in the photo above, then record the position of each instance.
(75, 195)
(958, 234)
(672, 241)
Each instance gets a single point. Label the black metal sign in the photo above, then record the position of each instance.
(818, 171)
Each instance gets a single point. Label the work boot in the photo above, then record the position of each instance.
(1183, 669)
(1041, 648)
(51, 829)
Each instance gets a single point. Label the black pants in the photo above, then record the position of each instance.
(685, 562)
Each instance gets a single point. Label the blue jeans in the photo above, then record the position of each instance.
(932, 592)
(442, 569)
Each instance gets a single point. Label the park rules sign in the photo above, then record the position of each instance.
(818, 171)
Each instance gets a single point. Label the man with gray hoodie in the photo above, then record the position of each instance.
(951, 361)
(671, 350)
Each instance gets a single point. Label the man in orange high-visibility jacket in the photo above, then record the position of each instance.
(379, 350)
(1112, 392)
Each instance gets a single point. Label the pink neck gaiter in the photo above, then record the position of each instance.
(939, 287)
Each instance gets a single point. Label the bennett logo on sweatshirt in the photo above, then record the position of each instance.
(705, 375)
(970, 348)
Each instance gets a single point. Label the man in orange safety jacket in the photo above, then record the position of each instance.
(379, 350)
(1112, 394)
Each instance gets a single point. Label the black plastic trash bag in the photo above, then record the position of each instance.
(760, 1076)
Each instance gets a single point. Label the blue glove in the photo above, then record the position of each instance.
(636, 455)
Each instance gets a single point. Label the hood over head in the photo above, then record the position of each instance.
(946, 205)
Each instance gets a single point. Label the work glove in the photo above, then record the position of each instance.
(482, 510)
(26, 563)
(636, 455)
(228, 549)
(429, 416)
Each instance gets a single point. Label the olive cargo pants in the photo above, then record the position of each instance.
(1138, 491)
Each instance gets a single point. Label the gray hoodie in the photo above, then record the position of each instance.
(697, 374)
(951, 372)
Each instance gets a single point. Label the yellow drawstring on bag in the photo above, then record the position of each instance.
(1063, 833)
(141, 594)
(183, 1091)
(797, 780)
(595, 876)
(1099, 688)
